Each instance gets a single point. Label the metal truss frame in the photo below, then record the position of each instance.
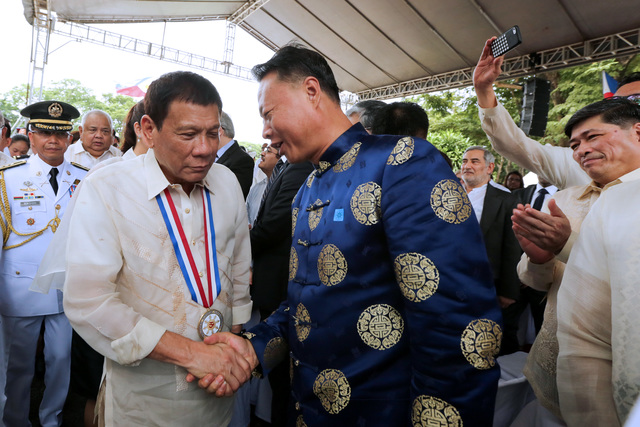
(611, 46)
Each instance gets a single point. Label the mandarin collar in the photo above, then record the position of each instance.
(339, 147)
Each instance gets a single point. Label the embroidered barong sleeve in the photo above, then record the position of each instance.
(555, 164)
(241, 267)
(584, 375)
(91, 298)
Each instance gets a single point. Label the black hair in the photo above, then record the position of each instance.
(616, 111)
(178, 86)
(401, 118)
(135, 114)
(294, 63)
(630, 78)
(20, 137)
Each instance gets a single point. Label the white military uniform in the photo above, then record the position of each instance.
(77, 154)
(30, 205)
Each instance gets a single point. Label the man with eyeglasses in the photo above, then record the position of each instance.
(553, 163)
(96, 137)
(34, 194)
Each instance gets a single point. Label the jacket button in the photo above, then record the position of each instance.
(297, 406)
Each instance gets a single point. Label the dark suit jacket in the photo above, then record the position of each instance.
(241, 164)
(271, 239)
(524, 195)
(502, 246)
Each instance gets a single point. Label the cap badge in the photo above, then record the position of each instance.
(55, 110)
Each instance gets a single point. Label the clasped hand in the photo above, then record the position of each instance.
(224, 362)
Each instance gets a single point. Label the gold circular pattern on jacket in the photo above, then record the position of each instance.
(380, 326)
(348, 159)
(365, 203)
(332, 265)
(401, 152)
(480, 343)
(450, 203)
(333, 390)
(417, 276)
(293, 263)
(315, 215)
(275, 351)
(431, 411)
(302, 321)
(300, 422)
(294, 220)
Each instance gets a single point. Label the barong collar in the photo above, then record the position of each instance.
(157, 182)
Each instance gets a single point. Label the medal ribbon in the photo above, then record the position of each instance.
(183, 252)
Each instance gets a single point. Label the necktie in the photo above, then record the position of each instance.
(53, 181)
(537, 205)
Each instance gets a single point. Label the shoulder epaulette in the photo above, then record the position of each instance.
(10, 165)
(79, 166)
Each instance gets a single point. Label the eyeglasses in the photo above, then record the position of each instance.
(55, 133)
(268, 149)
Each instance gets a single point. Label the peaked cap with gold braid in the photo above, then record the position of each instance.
(51, 115)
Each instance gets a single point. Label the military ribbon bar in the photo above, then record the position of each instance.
(183, 252)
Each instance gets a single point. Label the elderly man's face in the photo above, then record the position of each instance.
(96, 134)
(286, 109)
(605, 151)
(186, 146)
(475, 171)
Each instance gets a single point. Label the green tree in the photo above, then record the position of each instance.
(72, 92)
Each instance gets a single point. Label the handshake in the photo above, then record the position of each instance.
(222, 363)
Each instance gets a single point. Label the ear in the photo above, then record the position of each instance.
(636, 131)
(147, 127)
(491, 167)
(312, 90)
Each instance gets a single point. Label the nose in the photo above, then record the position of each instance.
(266, 131)
(205, 146)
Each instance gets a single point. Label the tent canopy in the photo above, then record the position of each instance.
(376, 44)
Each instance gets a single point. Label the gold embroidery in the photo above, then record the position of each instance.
(300, 422)
(315, 215)
(248, 335)
(302, 321)
(55, 110)
(365, 203)
(332, 265)
(431, 411)
(380, 326)
(293, 264)
(333, 390)
(275, 351)
(312, 176)
(323, 166)
(480, 343)
(417, 276)
(401, 152)
(294, 220)
(449, 201)
(348, 159)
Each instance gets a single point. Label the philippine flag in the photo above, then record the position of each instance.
(136, 90)
(609, 85)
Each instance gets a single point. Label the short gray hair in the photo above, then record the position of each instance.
(366, 110)
(488, 156)
(104, 113)
(227, 125)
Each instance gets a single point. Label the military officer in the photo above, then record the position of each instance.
(33, 196)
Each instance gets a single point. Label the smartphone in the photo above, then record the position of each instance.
(507, 41)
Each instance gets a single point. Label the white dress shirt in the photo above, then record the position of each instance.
(124, 287)
(77, 154)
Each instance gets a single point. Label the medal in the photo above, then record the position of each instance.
(210, 323)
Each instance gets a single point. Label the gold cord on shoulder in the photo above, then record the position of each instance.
(7, 225)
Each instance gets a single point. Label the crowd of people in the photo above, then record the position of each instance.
(349, 277)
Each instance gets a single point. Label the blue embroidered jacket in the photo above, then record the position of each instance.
(391, 317)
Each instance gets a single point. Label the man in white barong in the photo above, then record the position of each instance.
(159, 260)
